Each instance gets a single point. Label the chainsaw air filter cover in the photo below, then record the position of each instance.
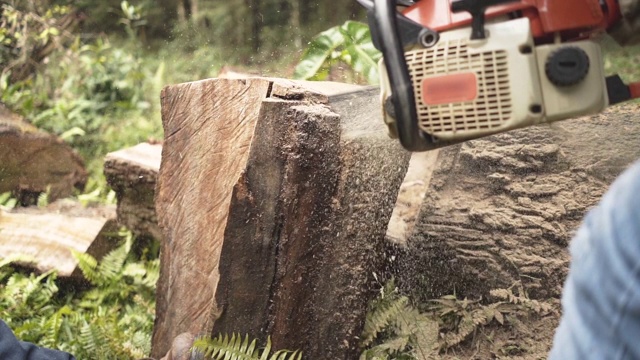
(467, 88)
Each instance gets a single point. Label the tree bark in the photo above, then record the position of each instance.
(296, 29)
(46, 236)
(22, 68)
(32, 161)
(256, 24)
(274, 199)
(503, 209)
(132, 173)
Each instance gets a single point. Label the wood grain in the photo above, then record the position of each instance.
(132, 173)
(47, 235)
(208, 130)
(32, 161)
(284, 235)
(503, 209)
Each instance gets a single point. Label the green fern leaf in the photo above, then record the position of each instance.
(381, 318)
(53, 325)
(267, 350)
(234, 347)
(88, 265)
(112, 264)
(223, 347)
(16, 258)
(286, 355)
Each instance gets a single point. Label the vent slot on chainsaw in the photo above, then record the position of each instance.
(491, 107)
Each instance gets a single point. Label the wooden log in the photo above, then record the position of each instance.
(132, 173)
(412, 192)
(274, 198)
(46, 236)
(32, 161)
(502, 209)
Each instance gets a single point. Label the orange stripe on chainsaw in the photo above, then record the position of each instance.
(447, 89)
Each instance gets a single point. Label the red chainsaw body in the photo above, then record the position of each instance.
(571, 19)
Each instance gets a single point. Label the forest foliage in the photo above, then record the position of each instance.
(91, 71)
(86, 69)
(110, 316)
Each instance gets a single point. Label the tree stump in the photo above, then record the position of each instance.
(132, 173)
(274, 199)
(32, 161)
(502, 209)
(46, 236)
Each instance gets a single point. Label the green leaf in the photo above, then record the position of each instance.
(363, 63)
(356, 32)
(350, 43)
(319, 50)
(7, 201)
(16, 258)
(74, 131)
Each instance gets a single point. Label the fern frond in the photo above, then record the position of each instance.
(395, 345)
(89, 338)
(225, 347)
(234, 347)
(375, 353)
(522, 299)
(53, 325)
(16, 258)
(381, 318)
(88, 265)
(465, 328)
(286, 355)
(7, 201)
(45, 291)
(479, 317)
(111, 265)
(43, 198)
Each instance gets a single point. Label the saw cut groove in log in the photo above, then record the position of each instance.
(503, 209)
(46, 236)
(32, 161)
(274, 197)
(132, 173)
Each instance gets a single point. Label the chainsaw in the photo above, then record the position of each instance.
(453, 71)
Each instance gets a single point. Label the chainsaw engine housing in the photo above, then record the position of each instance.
(456, 70)
(468, 88)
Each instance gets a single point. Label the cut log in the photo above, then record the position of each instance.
(46, 236)
(502, 210)
(274, 199)
(132, 173)
(411, 195)
(32, 161)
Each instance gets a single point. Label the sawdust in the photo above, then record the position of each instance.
(503, 209)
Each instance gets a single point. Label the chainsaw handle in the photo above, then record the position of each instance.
(410, 136)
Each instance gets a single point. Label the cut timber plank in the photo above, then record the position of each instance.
(132, 173)
(47, 235)
(503, 209)
(274, 197)
(31, 161)
(412, 191)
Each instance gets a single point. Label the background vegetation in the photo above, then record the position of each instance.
(87, 70)
(91, 72)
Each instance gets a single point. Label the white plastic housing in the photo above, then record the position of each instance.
(509, 80)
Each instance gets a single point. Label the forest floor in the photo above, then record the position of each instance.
(519, 338)
(526, 337)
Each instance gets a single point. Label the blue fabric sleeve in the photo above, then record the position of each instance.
(13, 349)
(601, 297)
